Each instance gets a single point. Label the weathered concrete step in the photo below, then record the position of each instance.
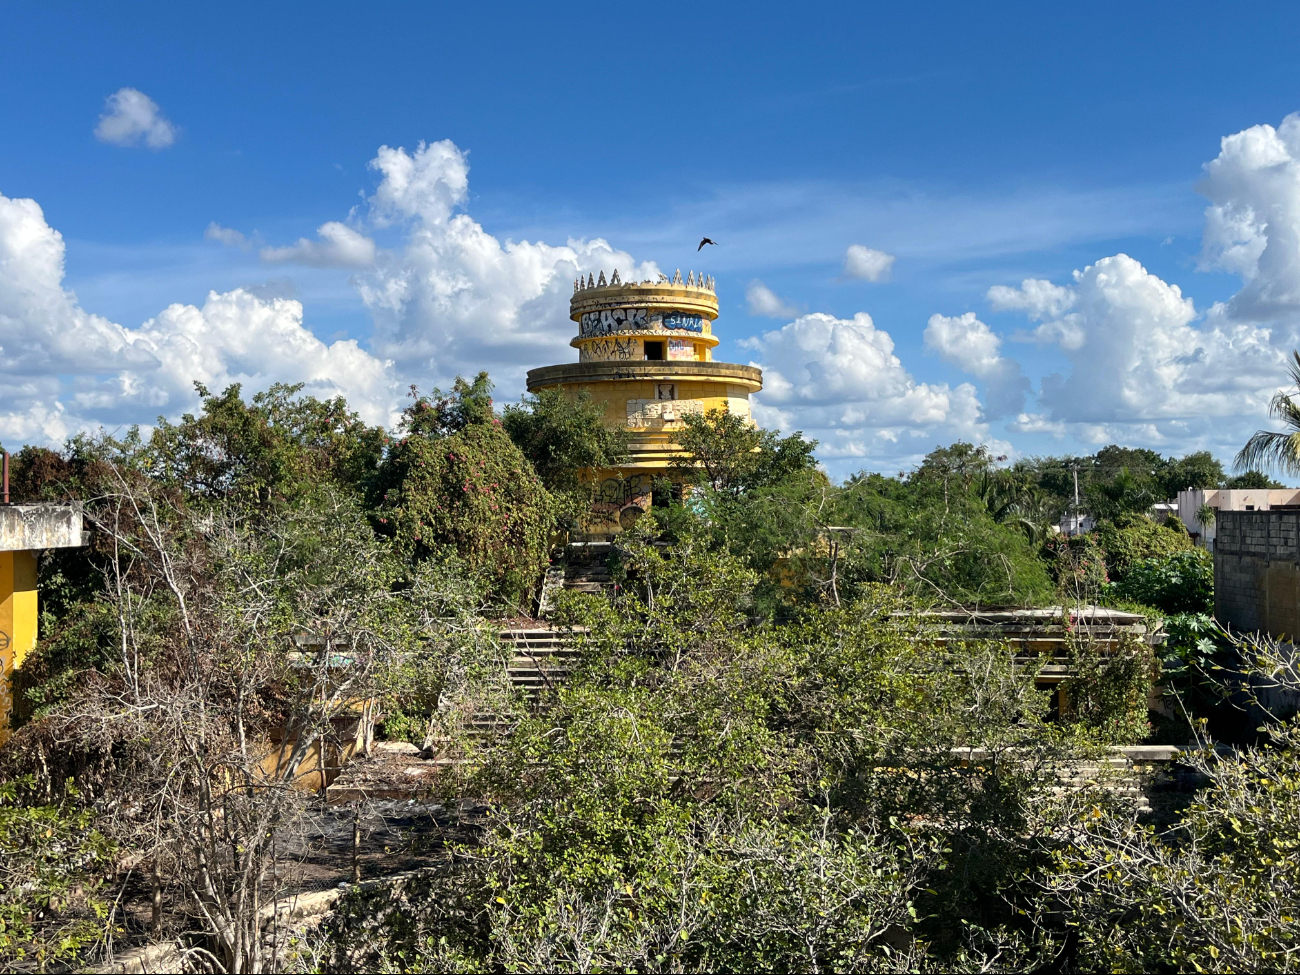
(538, 635)
(528, 684)
(549, 664)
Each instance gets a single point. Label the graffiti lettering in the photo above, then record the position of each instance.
(622, 490)
(615, 320)
(684, 322)
(681, 349)
(619, 502)
(605, 349)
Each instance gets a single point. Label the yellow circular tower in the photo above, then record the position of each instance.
(645, 350)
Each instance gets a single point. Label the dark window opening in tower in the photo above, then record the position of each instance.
(654, 351)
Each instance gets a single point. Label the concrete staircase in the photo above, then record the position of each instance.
(1149, 776)
(581, 567)
(542, 659)
(586, 567)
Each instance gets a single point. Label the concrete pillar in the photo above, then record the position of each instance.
(18, 617)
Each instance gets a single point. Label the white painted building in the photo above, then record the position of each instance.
(1243, 499)
(1076, 523)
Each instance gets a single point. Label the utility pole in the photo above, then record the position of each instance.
(1075, 526)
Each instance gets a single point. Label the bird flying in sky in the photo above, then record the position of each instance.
(704, 241)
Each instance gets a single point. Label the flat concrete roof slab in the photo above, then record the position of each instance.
(25, 527)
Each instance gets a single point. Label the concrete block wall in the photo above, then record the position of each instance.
(1257, 571)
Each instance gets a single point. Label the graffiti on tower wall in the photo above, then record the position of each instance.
(619, 502)
(683, 322)
(603, 350)
(614, 320)
(681, 349)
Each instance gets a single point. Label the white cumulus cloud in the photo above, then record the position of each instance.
(867, 263)
(132, 118)
(971, 346)
(839, 381)
(1145, 370)
(338, 246)
(426, 185)
(1252, 226)
(66, 369)
(1035, 297)
(454, 298)
(766, 303)
(1046, 303)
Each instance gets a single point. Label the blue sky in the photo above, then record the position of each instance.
(978, 147)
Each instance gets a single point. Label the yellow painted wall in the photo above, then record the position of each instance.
(622, 495)
(616, 393)
(593, 349)
(17, 623)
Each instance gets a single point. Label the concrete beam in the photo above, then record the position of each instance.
(28, 527)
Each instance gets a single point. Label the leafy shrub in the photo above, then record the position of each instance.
(1132, 539)
(1108, 694)
(1179, 583)
(563, 437)
(1223, 897)
(52, 863)
(474, 492)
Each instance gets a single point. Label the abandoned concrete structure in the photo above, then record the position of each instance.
(1257, 571)
(645, 350)
(25, 529)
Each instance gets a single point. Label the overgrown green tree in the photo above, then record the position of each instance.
(455, 481)
(1252, 479)
(566, 439)
(1197, 470)
(1182, 582)
(564, 436)
(1132, 539)
(934, 534)
(271, 448)
(732, 455)
(1218, 893)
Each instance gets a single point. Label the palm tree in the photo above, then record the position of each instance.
(1205, 516)
(1277, 449)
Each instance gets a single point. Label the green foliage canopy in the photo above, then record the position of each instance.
(1182, 582)
(1135, 539)
(711, 796)
(731, 455)
(563, 436)
(456, 481)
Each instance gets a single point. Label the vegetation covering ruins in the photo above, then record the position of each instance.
(760, 758)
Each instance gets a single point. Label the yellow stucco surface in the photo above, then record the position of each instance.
(17, 623)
